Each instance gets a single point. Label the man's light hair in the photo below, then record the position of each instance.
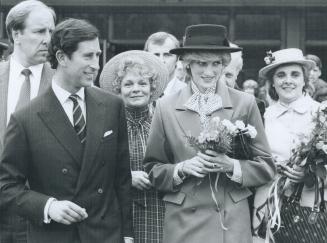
(17, 15)
(159, 38)
(236, 58)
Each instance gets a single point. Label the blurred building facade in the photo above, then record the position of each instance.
(256, 25)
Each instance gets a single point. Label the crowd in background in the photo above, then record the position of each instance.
(113, 164)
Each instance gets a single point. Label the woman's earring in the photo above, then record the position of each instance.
(188, 66)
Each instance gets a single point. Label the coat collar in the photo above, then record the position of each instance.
(189, 120)
(221, 90)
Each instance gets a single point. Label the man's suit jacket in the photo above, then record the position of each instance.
(45, 82)
(41, 146)
(191, 214)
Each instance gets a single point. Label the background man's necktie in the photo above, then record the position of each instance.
(25, 91)
(78, 118)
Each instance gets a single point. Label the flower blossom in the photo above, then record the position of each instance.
(240, 125)
(252, 131)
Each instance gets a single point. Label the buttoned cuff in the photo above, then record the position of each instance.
(237, 172)
(47, 219)
(177, 180)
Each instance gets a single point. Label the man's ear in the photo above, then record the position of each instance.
(15, 36)
(61, 58)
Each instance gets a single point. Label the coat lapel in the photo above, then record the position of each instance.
(46, 78)
(55, 118)
(95, 119)
(4, 80)
(189, 120)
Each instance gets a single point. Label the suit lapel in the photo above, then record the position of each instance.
(95, 119)
(4, 80)
(55, 118)
(46, 78)
(189, 120)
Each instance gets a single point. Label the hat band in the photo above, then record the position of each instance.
(205, 40)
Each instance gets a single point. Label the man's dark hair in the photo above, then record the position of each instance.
(67, 35)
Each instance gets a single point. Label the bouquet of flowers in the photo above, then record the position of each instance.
(222, 136)
(309, 155)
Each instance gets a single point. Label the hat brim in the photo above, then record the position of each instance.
(4, 45)
(182, 50)
(308, 64)
(110, 71)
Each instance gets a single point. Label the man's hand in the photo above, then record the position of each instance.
(66, 212)
(140, 180)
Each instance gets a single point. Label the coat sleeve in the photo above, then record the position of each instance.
(14, 168)
(261, 169)
(158, 157)
(123, 179)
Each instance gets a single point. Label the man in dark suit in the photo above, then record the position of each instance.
(29, 25)
(71, 145)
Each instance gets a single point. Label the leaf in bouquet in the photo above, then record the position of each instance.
(321, 171)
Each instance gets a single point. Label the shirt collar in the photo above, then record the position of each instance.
(63, 95)
(300, 106)
(17, 68)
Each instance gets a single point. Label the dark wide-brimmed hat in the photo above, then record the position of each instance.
(205, 37)
(110, 71)
(282, 57)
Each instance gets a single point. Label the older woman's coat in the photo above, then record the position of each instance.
(191, 214)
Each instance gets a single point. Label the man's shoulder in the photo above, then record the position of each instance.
(104, 96)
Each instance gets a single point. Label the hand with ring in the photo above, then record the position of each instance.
(215, 162)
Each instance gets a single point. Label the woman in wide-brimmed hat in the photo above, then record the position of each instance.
(205, 192)
(286, 123)
(139, 78)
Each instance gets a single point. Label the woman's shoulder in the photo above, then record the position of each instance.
(240, 97)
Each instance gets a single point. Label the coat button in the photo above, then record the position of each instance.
(100, 191)
(64, 171)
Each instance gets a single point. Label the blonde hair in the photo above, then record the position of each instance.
(136, 65)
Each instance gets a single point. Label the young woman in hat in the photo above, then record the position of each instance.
(139, 78)
(286, 121)
(200, 209)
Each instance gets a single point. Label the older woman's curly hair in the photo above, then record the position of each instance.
(137, 66)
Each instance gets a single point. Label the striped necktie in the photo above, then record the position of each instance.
(25, 90)
(78, 118)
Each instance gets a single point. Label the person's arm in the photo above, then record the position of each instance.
(14, 168)
(123, 179)
(261, 169)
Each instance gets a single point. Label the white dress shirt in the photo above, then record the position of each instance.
(66, 103)
(16, 79)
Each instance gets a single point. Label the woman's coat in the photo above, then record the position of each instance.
(191, 214)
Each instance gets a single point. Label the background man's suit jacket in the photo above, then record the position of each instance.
(41, 146)
(46, 77)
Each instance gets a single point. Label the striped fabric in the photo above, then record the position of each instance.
(296, 228)
(79, 121)
(148, 208)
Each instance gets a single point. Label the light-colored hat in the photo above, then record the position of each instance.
(110, 71)
(277, 58)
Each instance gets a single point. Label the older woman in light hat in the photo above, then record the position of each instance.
(205, 193)
(287, 121)
(139, 78)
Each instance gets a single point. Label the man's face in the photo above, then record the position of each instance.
(31, 43)
(230, 74)
(162, 51)
(82, 67)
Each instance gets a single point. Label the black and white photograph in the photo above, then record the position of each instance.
(163, 121)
